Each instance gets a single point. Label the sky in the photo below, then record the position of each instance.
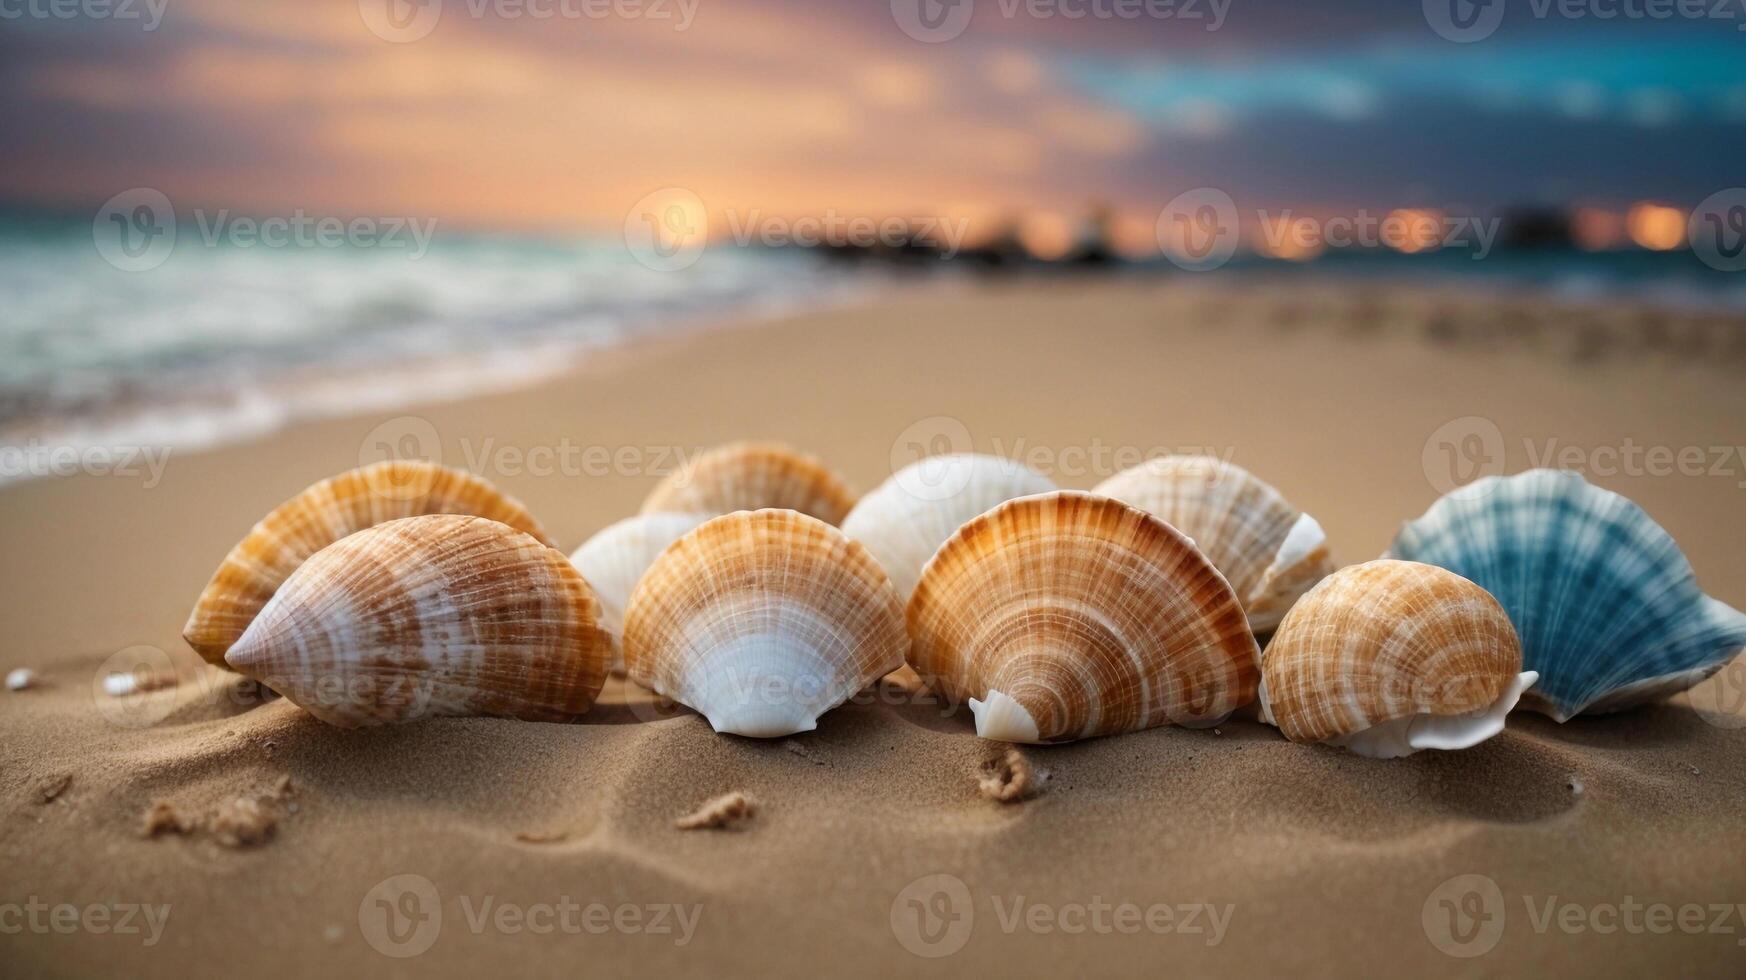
(486, 114)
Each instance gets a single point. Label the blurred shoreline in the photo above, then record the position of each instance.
(221, 345)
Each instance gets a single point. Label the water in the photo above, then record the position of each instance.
(222, 342)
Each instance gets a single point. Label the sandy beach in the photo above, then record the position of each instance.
(543, 849)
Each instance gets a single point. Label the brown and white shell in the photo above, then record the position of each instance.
(1067, 615)
(322, 514)
(430, 616)
(1270, 552)
(752, 476)
(762, 621)
(1389, 657)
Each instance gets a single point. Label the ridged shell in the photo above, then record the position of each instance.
(752, 476)
(762, 621)
(614, 560)
(1607, 606)
(1389, 657)
(322, 514)
(906, 518)
(427, 616)
(1067, 615)
(1270, 552)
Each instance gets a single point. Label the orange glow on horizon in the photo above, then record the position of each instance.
(1656, 227)
(1413, 230)
(1597, 229)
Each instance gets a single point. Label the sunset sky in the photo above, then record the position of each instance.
(511, 121)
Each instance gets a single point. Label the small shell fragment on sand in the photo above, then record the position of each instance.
(1011, 778)
(20, 679)
(122, 683)
(540, 836)
(163, 818)
(243, 822)
(51, 788)
(722, 812)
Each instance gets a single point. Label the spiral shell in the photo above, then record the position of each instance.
(1607, 606)
(614, 560)
(1390, 657)
(752, 476)
(762, 621)
(1270, 552)
(1066, 615)
(322, 514)
(427, 616)
(905, 519)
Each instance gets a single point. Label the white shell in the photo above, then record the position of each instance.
(20, 679)
(906, 518)
(614, 560)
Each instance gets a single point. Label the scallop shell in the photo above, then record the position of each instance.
(615, 559)
(751, 476)
(1270, 552)
(322, 514)
(427, 616)
(906, 518)
(1390, 657)
(1066, 615)
(762, 621)
(1607, 606)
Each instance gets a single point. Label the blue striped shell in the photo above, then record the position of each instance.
(1607, 606)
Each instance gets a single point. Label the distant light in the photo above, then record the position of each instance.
(1291, 239)
(1597, 229)
(1656, 227)
(1046, 236)
(1413, 230)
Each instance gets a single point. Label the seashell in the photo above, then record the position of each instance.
(615, 559)
(752, 476)
(1390, 657)
(1607, 606)
(906, 518)
(762, 621)
(20, 679)
(1066, 615)
(319, 516)
(429, 616)
(1270, 552)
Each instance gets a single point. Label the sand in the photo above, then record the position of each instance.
(883, 842)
